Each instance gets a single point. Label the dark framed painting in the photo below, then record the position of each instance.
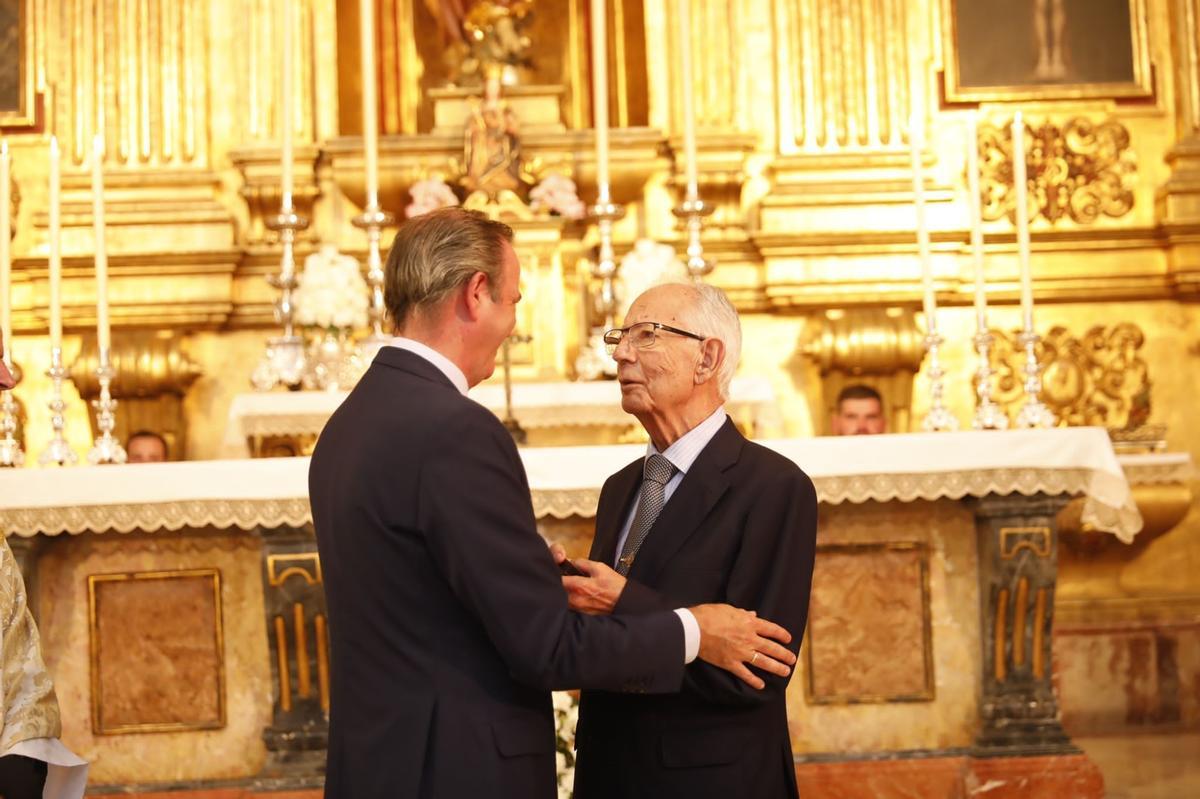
(17, 99)
(1045, 50)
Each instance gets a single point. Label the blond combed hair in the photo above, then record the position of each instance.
(435, 253)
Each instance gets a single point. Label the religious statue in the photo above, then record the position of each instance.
(484, 37)
(491, 149)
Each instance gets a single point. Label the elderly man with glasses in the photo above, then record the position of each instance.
(704, 516)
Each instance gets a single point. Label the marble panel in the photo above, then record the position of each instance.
(947, 529)
(1051, 777)
(234, 751)
(164, 627)
(868, 625)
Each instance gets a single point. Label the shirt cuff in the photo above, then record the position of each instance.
(691, 634)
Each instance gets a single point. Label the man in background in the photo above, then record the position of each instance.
(146, 446)
(859, 412)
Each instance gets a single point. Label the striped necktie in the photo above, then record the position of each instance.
(655, 475)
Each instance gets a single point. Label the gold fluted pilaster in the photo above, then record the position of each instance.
(1179, 198)
(843, 72)
(137, 73)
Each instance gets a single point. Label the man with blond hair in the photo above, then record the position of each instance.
(704, 516)
(448, 622)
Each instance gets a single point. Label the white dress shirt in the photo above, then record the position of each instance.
(691, 628)
(682, 454)
(447, 367)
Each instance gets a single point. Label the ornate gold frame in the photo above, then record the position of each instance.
(25, 116)
(94, 652)
(1142, 84)
(929, 692)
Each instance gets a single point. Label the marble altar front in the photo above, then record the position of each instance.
(929, 636)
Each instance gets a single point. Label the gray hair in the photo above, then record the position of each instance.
(435, 253)
(712, 315)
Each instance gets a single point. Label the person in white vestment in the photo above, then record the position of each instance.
(33, 762)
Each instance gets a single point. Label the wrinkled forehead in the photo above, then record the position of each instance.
(667, 304)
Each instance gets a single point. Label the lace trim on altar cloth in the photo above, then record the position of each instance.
(245, 514)
(1107, 504)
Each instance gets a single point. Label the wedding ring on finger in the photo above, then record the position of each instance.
(753, 658)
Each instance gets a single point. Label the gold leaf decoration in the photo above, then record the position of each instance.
(1081, 170)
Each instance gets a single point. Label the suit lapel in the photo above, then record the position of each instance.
(702, 487)
(614, 507)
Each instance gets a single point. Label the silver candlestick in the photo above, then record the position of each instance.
(373, 220)
(693, 211)
(10, 449)
(594, 362)
(1034, 412)
(105, 448)
(988, 415)
(283, 361)
(939, 419)
(58, 451)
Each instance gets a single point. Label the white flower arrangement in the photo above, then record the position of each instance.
(648, 264)
(558, 195)
(429, 195)
(566, 715)
(332, 293)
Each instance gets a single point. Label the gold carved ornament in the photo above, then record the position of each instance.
(1100, 379)
(1080, 170)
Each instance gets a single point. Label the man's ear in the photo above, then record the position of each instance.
(712, 354)
(473, 292)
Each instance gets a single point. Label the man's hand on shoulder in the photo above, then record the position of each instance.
(734, 639)
(597, 591)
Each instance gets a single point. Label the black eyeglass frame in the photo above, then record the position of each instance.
(612, 345)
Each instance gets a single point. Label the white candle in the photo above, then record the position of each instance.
(917, 142)
(976, 223)
(1020, 184)
(689, 99)
(55, 252)
(600, 99)
(5, 258)
(102, 329)
(285, 107)
(366, 14)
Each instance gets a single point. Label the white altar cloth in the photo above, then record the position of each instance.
(535, 405)
(566, 481)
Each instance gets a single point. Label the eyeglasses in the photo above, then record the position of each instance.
(642, 335)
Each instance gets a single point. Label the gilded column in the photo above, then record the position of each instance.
(847, 71)
(137, 72)
(1179, 198)
(726, 131)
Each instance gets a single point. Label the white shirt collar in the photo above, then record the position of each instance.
(683, 453)
(444, 364)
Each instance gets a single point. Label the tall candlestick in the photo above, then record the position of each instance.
(1020, 185)
(55, 249)
(988, 415)
(285, 106)
(600, 98)
(689, 100)
(976, 224)
(102, 329)
(5, 257)
(917, 142)
(366, 13)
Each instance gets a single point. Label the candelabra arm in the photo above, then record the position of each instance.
(58, 451)
(105, 448)
(939, 418)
